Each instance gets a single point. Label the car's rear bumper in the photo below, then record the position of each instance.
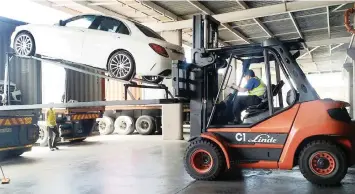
(161, 67)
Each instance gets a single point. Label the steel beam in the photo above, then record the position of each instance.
(160, 10)
(256, 20)
(249, 14)
(340, 6)
(326, 42)
(309, 52)
(205, 10)
(62, 8)
(100, 9)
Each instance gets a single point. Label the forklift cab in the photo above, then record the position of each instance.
(258, 112)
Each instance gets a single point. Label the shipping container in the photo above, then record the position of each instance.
(62, 85)
(114, 90)
(19, 128)
(25, 74)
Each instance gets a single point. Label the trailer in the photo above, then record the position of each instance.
(74, 124)
(77, 120)
(144, 119)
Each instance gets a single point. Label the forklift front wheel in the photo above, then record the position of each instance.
(323, 163)
(204, 160)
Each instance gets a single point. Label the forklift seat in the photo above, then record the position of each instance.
(263, 106)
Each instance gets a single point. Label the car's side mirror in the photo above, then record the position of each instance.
(61, 23)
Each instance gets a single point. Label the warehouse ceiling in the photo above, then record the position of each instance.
(320, 23)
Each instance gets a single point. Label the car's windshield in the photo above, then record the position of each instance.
(148, 32)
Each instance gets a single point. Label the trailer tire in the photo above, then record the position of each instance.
(145, 125)
(43, 136)
(105, 125)
(124, 125)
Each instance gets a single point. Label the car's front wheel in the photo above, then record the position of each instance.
(121, 65)
(24, 44)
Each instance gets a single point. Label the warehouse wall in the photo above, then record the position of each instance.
(26, 74)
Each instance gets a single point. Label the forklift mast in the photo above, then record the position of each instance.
(198, 81)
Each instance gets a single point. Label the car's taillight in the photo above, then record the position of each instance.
(159, 49)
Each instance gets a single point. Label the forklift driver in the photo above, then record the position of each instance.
(255, 88)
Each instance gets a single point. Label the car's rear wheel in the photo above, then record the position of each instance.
(153, 79)
(121, 65)
(24, 44)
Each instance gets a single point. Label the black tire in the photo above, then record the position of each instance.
(331, 155)
(153, 79)
(124, 125)
(19, 37)
(125, 57)
(43, 136)
(215, 160)
(145, 125)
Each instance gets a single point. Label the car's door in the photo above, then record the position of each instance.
(66, 41)
(109, 35)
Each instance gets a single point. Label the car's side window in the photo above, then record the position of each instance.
(123, 29)
(81, 22)
(112, 25)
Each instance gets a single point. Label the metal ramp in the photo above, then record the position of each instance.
(134, 83)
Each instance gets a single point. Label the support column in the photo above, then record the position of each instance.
(349, 74)
(174, 36)
(172, 122)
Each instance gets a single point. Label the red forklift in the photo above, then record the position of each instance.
(291, 126)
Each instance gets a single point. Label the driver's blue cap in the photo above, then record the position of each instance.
(250, 73)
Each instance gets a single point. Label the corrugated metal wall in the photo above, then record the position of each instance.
(26, 74)
(83, 87)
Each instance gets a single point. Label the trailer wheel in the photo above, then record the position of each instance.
(323, 163)
(145, 125)
(105, 125)
(43, 136)
(204, 160)
(124, 125)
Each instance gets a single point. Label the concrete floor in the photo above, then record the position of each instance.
(138, 164)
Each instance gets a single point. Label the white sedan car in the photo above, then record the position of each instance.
(124, 48)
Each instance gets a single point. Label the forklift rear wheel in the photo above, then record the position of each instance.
(323, 163)
(204, 160)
